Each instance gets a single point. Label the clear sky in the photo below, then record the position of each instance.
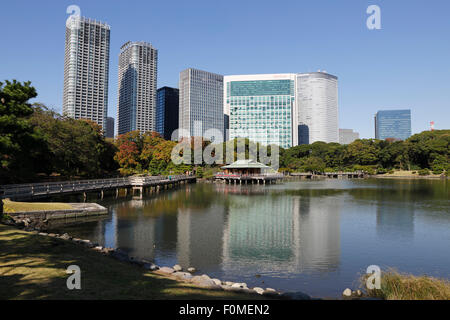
(404, 65)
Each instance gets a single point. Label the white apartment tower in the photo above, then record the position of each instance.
(136, 109)
(86, 70)
(201, 103)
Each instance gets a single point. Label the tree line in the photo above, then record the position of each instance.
(38, 144)
(425, 151)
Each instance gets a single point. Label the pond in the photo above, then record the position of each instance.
(315, 236)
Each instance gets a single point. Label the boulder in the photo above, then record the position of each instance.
(166, 270)
(205, 282)
(151, 266)
(347, 292)
(258, 290)
(217, 281)
(359, 293)
(43, 234)
(98, 248)
(182, 275)
(269, 292)
(107, 250)
(239, 285)
(65, 236)
(191, 270)
(177, 267)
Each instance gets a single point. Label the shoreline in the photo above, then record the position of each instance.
(221, 289)
(429, 177)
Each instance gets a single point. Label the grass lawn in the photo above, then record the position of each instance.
(12, 206)
(34, 267)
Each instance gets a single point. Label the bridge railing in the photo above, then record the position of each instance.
(61, 187)
(36, 189)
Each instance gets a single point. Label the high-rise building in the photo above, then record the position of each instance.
(261, 108)
(86, 70)
(136, 108)
(167, 111)
(347, 136)
(285, 109)
(317, 105)
(394, 124)
(109, 132)
(201, 103)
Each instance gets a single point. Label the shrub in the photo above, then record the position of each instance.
(397, 286)
(424, 172)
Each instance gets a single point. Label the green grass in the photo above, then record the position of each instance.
(398, 286)
(12, 206)
(33, 267)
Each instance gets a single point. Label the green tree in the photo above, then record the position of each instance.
(22, 148)
(76, 147)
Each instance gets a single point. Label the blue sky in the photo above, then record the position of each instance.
(404, 65)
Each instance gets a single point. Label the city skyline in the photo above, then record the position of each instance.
(376, 69)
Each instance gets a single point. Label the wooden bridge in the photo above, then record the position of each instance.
(135, 184)
(331, 175)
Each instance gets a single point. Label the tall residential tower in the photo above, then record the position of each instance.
(136, 108)
(86, 70)
(201, 103)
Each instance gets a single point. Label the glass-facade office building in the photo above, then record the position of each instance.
(167, 109)
(260, 108)
(285, 109)
(201, 104)
(394, 124)
(136, 109)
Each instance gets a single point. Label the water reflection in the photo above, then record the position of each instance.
(395, 221)
(200, 234)
(281, 235)
(313, 235)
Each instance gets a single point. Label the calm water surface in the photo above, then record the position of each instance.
(310, 236)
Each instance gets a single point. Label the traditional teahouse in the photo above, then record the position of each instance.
(247, 171)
